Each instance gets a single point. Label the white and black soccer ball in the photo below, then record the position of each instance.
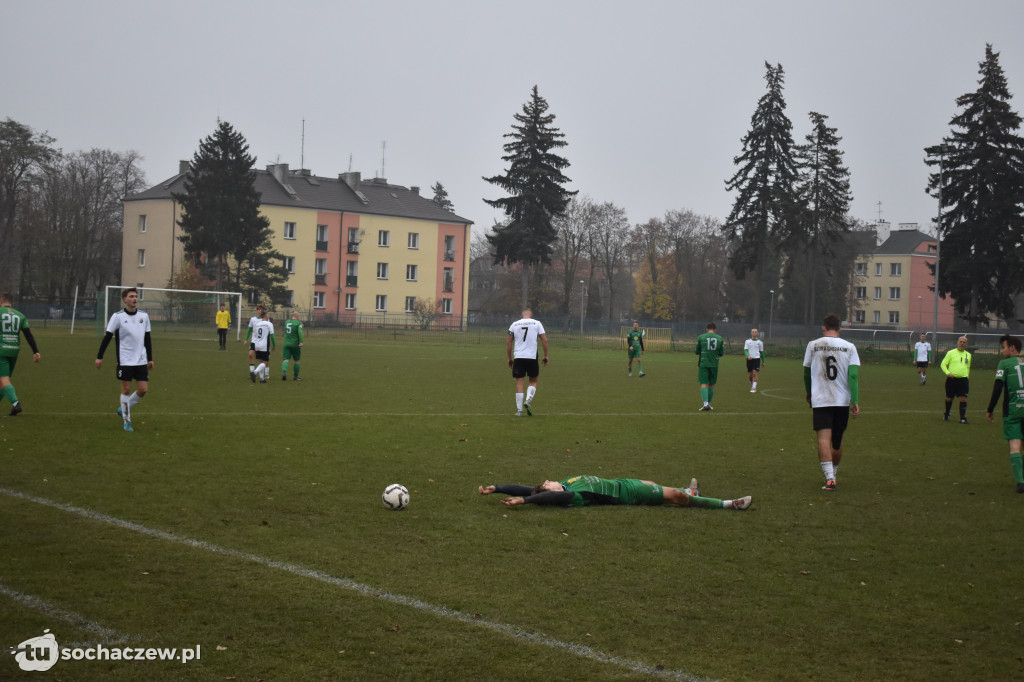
(395, 497)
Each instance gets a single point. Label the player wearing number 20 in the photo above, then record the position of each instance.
(830, 378)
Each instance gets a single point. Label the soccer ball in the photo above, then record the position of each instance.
(395, 497)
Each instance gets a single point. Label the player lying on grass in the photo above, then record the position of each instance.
(581, 491)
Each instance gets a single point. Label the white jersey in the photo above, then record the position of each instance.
(129, 332)
(252, 322)
(261, 331)
(753, 348)
(830, 359)
(922, 348)
(525, 333)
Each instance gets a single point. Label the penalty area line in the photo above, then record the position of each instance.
(50, 610)
(443, 612)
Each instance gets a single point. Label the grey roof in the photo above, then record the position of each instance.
(903, 242)
(328, 194)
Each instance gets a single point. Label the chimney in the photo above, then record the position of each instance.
(352, 179)
(183, 167)
(279, 171)
(415, 190)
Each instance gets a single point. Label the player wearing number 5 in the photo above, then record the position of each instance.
(710, 347)
(830, 379)
(521, 349)
(12, 325)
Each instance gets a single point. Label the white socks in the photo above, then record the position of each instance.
(828, 470)
(530, 392)
(519, 402)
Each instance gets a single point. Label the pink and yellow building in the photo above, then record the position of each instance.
(354, 248)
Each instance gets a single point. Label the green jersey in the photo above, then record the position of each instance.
(11, 324)
(635, 339)
(710, 347)
(292, 333)
(1010, 373)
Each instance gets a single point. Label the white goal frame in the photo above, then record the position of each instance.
(119, 288)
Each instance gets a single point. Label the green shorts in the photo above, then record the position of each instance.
(7, 363)
(707, 375)
(292, 352)
(634, 353)
(1013, 429)
(635, 491)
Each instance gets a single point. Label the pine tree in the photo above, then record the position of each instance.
(763, 212)
(823, 195)
(534, 183)
(221, 220)
(982, 195)
(441, 197)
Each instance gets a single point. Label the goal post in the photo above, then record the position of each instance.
(178, 307)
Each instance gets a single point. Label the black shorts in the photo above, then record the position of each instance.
(753, 364)
(922, 365)
(252, 347)
(836, 418)
(957, 386)
(263, 355)
(133, 372)
(525, 367)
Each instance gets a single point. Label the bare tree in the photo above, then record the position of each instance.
(574, 235)
(607, 246)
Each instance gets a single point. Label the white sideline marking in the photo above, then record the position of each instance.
(695, 412)
(106, 635)
(359, 588)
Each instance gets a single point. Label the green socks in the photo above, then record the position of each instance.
(1017, 464)
(706, 502)
(296, 369)
(10, 394)
(704, 394)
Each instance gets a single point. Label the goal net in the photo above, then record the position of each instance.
(186, 310)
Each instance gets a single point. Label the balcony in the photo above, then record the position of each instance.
(321, 246)
(350, 280)
(449, 255)
(353, 247)
(319, 279)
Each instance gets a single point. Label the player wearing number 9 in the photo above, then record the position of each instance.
(830, 379)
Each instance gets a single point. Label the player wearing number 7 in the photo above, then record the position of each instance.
(521, 349)
(830, 378)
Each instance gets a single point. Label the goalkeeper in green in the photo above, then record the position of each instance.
(635, 348)
(292, 347)
(1010, 385)
(582, 491)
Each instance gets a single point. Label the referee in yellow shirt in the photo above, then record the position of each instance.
(957, 367)
(223, 322)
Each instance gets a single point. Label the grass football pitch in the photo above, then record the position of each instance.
(246, 519)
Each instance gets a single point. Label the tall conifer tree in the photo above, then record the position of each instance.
(982, 198)
(535, 186)
(763, 212)
(441, 197)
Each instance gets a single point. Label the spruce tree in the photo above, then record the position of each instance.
(982, 198)
(535, 186)
(221, 220)
(441, 197)
(763, 212)
(823, 197)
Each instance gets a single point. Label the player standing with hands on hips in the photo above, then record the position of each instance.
(635, 348)
(521, 349)
(130, 329)
(830, 378)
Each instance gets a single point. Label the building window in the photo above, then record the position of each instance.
(142, 291)
(862, 293)
(411, 272)
(878, 293)
(319, 299)
(894, 293)
(142, 258)
(446, 306)
(410, 304)
(382, 303)
(383, 238)
(351, 273)
(289, 297)
(382, 270)
(449, 247)
(350, 301)
(860, 268)
(321, 266)
(289, 264)
(876, 317)
(142, 223)
(878, 269)
(254, 297)
(895, 269)
(289, 230)
(353, 240)
(321, 237)
(894, 317)
(414, 240)
(858, 316)
(448, 283)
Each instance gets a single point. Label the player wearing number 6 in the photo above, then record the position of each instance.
(830, 378)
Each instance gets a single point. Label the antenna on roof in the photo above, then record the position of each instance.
(879, 211)
(383, 146)
(350, 162)
(302, 154)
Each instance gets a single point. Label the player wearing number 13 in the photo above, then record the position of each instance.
(830, 378)
(710, 347)
(12, 325)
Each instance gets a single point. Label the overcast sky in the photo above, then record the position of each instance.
(653, 96)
